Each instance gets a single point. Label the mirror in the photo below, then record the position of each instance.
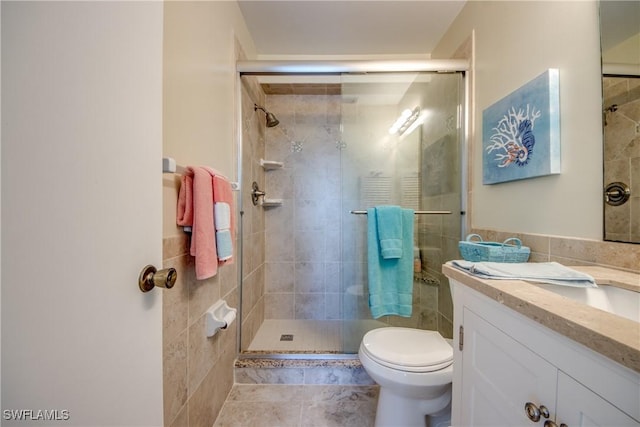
(620, 42)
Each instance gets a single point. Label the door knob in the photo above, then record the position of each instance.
(150, 277)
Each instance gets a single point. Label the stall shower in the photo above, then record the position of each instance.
(335, 150)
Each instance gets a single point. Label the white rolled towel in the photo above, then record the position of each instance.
(222, 215)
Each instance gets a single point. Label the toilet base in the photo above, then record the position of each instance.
(401, 411)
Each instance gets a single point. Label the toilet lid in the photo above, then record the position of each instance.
(408, 349)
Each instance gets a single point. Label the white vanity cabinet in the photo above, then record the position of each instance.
(579, 406)
(504, 361)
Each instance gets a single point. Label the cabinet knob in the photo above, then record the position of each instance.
(550, 423)
(534, 412)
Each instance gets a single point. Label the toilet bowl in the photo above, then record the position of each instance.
(414, 369)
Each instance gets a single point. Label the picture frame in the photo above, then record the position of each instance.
(521, 132)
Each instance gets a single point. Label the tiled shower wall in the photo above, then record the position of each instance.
(302, 270)
(375, 165)
(622, 155)
(438, 235)
(253, 219)
(315, 270)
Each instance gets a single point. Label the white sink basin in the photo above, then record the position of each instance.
(619, 301)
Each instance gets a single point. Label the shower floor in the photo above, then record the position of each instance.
(331, 336)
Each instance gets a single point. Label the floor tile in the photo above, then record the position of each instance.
(271, 405)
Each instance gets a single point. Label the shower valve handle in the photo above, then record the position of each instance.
(256, 193)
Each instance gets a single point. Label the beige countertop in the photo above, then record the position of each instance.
(612, 336)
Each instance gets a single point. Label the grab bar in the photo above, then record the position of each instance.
(415, 212)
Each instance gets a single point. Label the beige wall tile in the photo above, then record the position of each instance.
(584, 250)
(175, 392)
(573, 251)
(202, 295)
(175, 246)
(182, 419)
(445, 326)
(203, 352)
(175, 301)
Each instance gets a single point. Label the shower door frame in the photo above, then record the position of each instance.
(314, 67)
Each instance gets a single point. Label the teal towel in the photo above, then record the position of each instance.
(390, 280)
(389, 222)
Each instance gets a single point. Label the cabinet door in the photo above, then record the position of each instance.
(580, 407)
(500, 376)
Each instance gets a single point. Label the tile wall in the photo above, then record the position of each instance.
(198, 371)
(438, 235)
(622, 155)
(302, 258)
(571, 251)
(253, 218)
(315, 250)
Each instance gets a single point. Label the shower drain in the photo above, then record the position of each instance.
(286, 337)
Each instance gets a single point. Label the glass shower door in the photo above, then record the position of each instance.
(400, 145)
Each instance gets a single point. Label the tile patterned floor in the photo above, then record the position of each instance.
(271, 405)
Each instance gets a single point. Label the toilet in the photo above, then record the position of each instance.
(414, 369)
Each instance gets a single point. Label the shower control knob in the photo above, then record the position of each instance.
(150, 277)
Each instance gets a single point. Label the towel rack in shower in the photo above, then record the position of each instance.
(415, 212)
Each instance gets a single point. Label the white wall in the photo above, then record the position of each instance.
(515, 42)
(200, 100)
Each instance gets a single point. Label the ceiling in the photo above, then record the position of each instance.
(348, 27)
(380, 27)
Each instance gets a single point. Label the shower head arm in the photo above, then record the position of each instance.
(271, 119)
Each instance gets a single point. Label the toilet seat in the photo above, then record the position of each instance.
(406, 349)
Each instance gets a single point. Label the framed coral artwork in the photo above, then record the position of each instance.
(521, 132)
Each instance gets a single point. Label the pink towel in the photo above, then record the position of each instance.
(222, 192)
(195, 210)
(200, 188)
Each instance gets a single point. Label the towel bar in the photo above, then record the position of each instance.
(169, 166)
(415, 212)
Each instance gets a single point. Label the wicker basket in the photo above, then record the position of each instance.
(479, 250)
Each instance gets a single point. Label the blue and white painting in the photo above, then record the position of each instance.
(521, 132)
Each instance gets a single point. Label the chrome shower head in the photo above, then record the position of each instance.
(271, 119)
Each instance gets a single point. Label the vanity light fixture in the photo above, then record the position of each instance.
(408, 120)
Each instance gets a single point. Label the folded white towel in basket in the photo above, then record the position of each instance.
(541, 272)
